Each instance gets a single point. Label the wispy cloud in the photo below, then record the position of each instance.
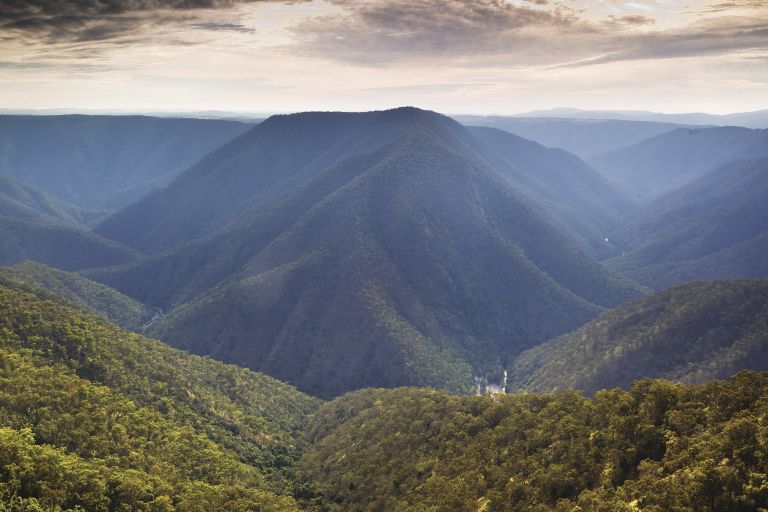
(487, 32)
(97, 20)
(226, 27)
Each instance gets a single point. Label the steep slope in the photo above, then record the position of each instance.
(663, 163)
(96, 417)
(571, 195)
(35, 226)
(582, 137)
(273, 158)
(285, 152)
(691, 333)
(80, 292)
(28, 203)
(714, 228)
(61, 246)
(105, 161)
(414, 264)
(661, 446)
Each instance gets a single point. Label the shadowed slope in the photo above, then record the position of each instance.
(414, 264)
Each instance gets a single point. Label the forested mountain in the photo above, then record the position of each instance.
(57, 245)
(80, 292)
(98, 418)
(571, 195)
(663, 163)
(714, 228)
(286, 152)
(690, 333)
(582, 137)
(105, 161)
(659, 447)
(36, 226)
(28, 203)
(275, 157)
(416, 263)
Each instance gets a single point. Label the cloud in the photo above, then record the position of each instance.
(97, 20)
(371, 31)
(227, 27)
(632, 19)
(706, 38)
(379, 33)
(735, 4)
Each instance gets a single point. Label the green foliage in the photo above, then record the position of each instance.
(146, 426)
(691, 333)
(659, 447)
(81, 292)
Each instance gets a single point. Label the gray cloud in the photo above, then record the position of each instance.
(632, 19)
(495, 32)
(735, 4)
(373, 31)
(227, 27)
(712, 38)
(97, 20)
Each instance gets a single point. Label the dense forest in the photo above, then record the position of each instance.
(96, 418)
(402, 271)
(690, 333)
(660, 447)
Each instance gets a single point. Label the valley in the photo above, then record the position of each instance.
(298, 315)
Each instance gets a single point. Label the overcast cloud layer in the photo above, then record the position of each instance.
(455, 55)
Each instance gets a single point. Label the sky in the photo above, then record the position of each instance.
(453, 56)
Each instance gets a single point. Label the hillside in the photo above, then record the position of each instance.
(28, 203)
(583, 137)
(691, 333)
(658, 447)
(80, 292)
(714, 228)
(663, 163)
(572, 196)
(285, 152)
(273, 158)
(414, 264)
(96, 417)
(105, 162)
(67, 247)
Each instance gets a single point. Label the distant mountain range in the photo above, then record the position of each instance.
(582, 137)
(756, 119)
(669, 161)
(342, 250)
(105, 162)
(412, 260)
(713, 228)
(35, 226)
